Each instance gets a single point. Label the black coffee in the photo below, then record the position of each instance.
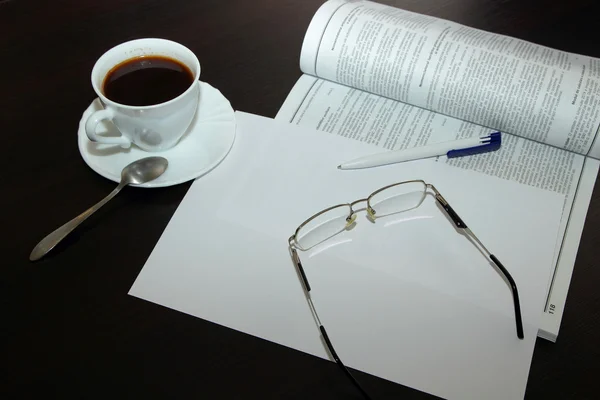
(147, 80)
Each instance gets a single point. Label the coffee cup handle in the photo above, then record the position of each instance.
(93, 121)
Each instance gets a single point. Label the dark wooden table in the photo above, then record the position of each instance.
(69, 329)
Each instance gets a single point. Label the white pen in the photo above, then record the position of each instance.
(455, 148)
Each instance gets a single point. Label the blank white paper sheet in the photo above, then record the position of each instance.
(407, 298)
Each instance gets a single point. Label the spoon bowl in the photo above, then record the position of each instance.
(144, 170)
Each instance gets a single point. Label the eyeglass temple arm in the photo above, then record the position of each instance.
(298, 265)
(332, 351)
(513, 286)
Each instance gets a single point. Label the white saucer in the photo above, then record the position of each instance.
(202, 147)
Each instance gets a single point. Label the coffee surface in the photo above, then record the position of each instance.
(147, 80)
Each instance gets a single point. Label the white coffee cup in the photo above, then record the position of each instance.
(155, 127)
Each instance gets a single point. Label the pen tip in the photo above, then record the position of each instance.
(340, 166)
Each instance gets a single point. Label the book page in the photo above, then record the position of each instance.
(567, 252)
(357, 115)
(496, 81)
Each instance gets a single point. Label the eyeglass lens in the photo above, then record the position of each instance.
(323, 226)
(397, 198)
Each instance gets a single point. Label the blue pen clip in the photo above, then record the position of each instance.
(488, 143)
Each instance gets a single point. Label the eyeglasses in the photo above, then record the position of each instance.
(391, 199)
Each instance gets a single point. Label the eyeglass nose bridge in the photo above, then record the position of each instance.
(356, 202)
(352, 217)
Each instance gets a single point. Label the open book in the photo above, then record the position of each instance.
(398, 79)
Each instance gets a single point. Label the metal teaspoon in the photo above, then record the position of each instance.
(138, 172)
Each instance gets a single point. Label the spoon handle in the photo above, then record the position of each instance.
(48, 243)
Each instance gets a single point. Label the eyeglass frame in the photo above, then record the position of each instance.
(458, 222)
